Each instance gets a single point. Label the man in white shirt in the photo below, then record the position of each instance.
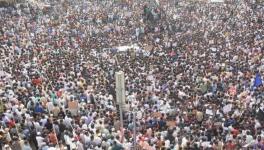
(249, 137)
(67, 121)
(40, 140)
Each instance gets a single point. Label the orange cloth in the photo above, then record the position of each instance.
(52, 138)
(37, 82)
(230, 146)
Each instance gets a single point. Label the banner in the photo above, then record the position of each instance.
(217, 1)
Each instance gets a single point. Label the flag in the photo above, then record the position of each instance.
(258, 80)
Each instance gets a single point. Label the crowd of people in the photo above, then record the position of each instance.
(194, 83)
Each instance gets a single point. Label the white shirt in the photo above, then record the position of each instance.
(40, 141)
(43, 121)
(50, 106)
(84, 127)
(67, 121)
(79, 146)
(249, 139)
(37, 126)
(167, 144)
(205, 144)
(139, 115)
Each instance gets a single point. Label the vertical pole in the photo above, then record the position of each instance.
(121, 121)
(120, 97)
(134, 131)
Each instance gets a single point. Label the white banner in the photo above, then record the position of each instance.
(217, 1)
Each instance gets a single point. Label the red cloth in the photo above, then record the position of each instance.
(52, 138)
(11, 123)
(77, 138)
(230, 146)
(37, 82)
(235, 132)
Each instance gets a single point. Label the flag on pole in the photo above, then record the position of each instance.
(257, 81)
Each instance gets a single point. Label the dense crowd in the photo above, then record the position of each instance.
(194, 83)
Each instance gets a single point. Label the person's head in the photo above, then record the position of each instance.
(7, 147)
(259, 138)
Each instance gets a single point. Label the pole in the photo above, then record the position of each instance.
(121, 122)
(120, 97)
(121, 113)
(134, 131)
